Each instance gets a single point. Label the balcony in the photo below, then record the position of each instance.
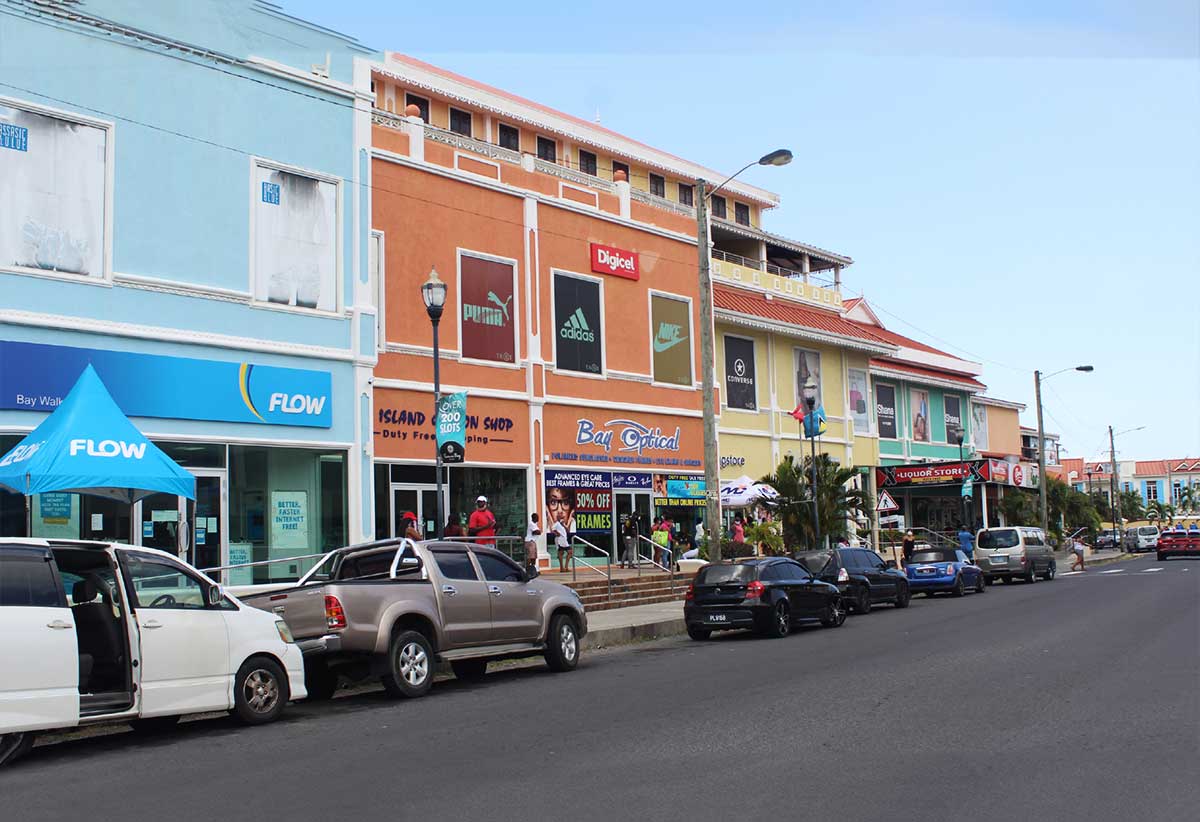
(812, 288)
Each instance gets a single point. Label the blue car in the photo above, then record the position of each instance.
(935, 570)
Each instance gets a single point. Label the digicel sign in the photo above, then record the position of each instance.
(616, 261)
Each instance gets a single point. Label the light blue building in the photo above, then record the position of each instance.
(186, 205)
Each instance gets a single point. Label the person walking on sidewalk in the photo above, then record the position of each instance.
(482, 523)
(966, 542)
(1077, 549)
(910, 545)
(532, 532)
(562, 542)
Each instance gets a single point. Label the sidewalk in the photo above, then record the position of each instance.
(636, 623)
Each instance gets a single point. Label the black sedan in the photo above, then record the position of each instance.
(767, 595)
(861, 575)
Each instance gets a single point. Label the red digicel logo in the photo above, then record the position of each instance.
(618, 261)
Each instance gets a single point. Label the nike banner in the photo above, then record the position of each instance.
(577, 343)
(489, 311)
(739, 373)
(671, 339)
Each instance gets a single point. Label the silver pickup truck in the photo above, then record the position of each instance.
(392, 609)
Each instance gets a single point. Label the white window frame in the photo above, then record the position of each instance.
(562, 272)
(870, 404)
(459, 253)
(339, 233)
(1151, 487)
(109, 128)
(754, 360)
(650, 295)
(470, 118)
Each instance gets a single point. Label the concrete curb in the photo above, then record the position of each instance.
(625, 634)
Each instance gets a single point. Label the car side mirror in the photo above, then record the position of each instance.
(532, 573)
(215, 596)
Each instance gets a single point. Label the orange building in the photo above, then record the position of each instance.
(572, 309)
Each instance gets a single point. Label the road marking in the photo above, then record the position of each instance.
(1114, 571)
(1151, 570)
(1070, 573)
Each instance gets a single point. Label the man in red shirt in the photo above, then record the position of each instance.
(482, 523)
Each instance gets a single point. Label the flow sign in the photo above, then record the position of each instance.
(886, 503)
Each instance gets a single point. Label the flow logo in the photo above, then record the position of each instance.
(108, 448)
(576, 328)
(296, 404)
(669, 335)
(21, 453)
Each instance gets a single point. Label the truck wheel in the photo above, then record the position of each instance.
(14, 745)
(260, 691)
(321, 682)
(469, 670)
(562, 644)
(410, 665)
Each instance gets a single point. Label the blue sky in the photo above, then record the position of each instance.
(1018, 182)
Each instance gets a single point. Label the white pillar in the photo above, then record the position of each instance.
(623, 196)
(414, 127)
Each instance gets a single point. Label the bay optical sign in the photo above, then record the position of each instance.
(577, 342)
(616, 261)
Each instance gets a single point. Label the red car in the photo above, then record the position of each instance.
(1179, 543)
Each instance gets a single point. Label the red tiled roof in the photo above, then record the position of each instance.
(922, 371)
(901, 340)
(787, 311)
(1160, 468)
(850, 303)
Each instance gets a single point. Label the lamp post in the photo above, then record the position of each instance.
(810, 402)
(433, 292)
(1114, 489)
(1041, 443)
(712, 502)
(956, 435)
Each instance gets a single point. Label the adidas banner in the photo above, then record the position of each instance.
(739, 373)
(577, 343)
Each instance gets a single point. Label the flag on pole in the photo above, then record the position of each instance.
(814, 423)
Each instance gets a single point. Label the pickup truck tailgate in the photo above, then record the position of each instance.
(303, 609)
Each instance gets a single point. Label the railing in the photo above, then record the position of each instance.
(262, 563)
(512, 547)
(573, 176)
(654, 546)
(607, 572)
(661, 202)
(935, 538)
(450, 138)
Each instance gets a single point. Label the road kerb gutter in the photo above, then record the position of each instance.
(625, 634)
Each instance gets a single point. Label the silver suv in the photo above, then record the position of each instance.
(1014, 553)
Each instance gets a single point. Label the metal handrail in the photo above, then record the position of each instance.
(671, 560)
(574, 562)
(222, 568)
(507, 538)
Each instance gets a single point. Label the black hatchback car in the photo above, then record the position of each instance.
(767, 595)
(861, 575)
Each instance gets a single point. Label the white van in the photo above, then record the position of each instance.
(1141, 538)
(92, 632)
(1014, 553)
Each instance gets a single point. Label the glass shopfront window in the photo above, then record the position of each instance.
(505, 490)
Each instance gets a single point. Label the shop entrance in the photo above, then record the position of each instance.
(192, 529)
(634, 504)
(421, 500)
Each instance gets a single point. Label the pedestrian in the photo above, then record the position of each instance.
(453, 526)
(909, 545)
(562, 542)
(532, 532)
(661, 537)
(739, 529)
(966, 542)
(409, 520)
(629, 540)
(482, 523)
(1077, 548)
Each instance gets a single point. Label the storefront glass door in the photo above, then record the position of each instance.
(192, 529)
(420, 500)
(634, 504)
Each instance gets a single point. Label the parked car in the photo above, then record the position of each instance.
(92, 632)
(938, 570)
(1141, 538)
(861, 575)
(766, 595)
(1106, 540)
(1014, 553)
(425, 602)
(1178, 543)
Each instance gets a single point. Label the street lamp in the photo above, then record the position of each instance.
(433, 292)
(956, 436)
(712, 482)
(810, 402)
(1041, 443)
(1114, 489)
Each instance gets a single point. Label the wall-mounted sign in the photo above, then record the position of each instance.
(860, 409)
(632, 482)
(939, 473)
(487, 299)
(979, 426)
(885, 410)
(494, 430)
(627, 436)
(733, 462)
(289, 520)
(36, 377)
(953, 414)
(739, 374)
(671, 332)
(581, 500)
(918, 406)
(615, 261)
(577, 340)
(678, 491)
(452, 427)
(630, 442)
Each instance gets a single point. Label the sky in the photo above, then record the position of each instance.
(1017, 182)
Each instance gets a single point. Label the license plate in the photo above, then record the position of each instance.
(999, 560)
(718, 618)
(924, 570)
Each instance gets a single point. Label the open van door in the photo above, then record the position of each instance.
(39, 680)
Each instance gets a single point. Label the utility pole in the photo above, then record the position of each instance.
(1041, 453)
(1115, 503)
(712, 482)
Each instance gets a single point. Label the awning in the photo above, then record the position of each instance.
(744, 492)
(88, 446)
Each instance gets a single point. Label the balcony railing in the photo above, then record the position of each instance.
(571, 175)
(770, 268)
(662, 202)
(451, 138)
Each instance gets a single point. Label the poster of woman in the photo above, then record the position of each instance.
(919, 408)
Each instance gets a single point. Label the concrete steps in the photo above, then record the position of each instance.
(628, 591)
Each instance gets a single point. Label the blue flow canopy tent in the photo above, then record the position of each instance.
(88, 446)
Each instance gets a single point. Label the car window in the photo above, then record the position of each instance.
(27, 579)
(1147, 530)
(455, 565)
(935, 555)
(161, 584)
(498, 569)
(960, 556)
(718, 574)
(815, 562)
(866, 560)
(795, 572)
(999, 538)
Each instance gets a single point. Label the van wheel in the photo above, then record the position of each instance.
(14, 745)
(260, 691)
(409, 665)
(319, 680)
(1050, 571)
(1031, 575)
(154, 725)
(562, 645)
(469, 670)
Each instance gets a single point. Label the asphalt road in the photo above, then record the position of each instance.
(1076, 699)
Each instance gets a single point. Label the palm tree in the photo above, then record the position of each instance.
(1189, 498)
(1162, 512)
(837, 499)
